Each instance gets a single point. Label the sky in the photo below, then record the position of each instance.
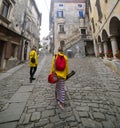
(44, 8)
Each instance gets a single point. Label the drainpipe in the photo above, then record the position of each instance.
(22, 34)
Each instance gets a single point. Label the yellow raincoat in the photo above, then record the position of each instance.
(33, 53)
(61, 74)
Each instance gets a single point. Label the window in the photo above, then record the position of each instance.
(61, 28)
(81, 15)
(79, 5)
(60, 5)
(99, 10)
(62, 43)
(106, 1)
(4, 8)
(93, 25)
(89, 4)
(83, 31)
(60, 14)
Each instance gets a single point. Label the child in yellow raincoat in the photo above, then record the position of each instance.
(60, 91)
(33, 66)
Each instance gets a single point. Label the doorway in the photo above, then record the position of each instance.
(1, 52)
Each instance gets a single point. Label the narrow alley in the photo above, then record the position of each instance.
(92, 97)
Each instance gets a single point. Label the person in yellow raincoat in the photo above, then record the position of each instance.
(33, 66)
(60, 91)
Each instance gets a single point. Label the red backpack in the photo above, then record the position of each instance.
(60, 63)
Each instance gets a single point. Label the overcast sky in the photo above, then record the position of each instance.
(44, 7)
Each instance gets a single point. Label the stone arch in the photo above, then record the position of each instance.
(114, 26)
(104, 35)
(106, 38)
(106, 42)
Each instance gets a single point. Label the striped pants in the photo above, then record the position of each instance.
(60, 91)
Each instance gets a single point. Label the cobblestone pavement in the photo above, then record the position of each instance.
(92, 97)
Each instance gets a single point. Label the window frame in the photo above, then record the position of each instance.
(5, 7)
(62, 43)
(99, 10)
(60, 14)
(83, 31)
(81, 14)
(61, 28)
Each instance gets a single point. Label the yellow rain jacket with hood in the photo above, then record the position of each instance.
(33, 53)
(63, 73)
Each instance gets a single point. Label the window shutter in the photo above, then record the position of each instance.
(81, 14)
(62, 13)
(57, 14)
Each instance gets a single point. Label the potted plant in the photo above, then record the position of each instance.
(118, 54)
(109, 53)
(101, 54)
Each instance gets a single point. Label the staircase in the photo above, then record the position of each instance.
(75, 45)
(71, 40)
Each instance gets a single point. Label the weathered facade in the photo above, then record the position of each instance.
(27, 21)
(19, 29)
(9, 40)
(68, 26)
(105, 22)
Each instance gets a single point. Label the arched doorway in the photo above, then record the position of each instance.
(114, 27)
(62, 43)
(104, 35)
(106, 43)
(106, 38)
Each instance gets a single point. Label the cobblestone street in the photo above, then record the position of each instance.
(92, 97)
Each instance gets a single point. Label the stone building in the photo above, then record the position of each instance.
(105, 23)
(9, 39)
(68, 27)
(46, 43)
(19, 29)
(27, 20)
